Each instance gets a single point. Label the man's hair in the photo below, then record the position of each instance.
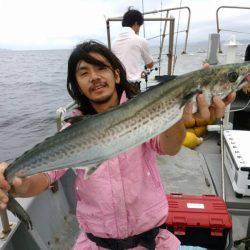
(131, 17)
(247, 53)
(82, 52)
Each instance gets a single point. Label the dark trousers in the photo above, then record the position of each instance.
(137, 84)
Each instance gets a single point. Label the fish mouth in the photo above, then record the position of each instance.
(242, 81)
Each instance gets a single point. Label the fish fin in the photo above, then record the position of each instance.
(89, 170)
(75, 119)
(19, 212)
(160, 80)
(189, 96)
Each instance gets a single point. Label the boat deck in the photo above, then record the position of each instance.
(197, 172)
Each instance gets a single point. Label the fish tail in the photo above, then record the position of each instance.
(19, 212)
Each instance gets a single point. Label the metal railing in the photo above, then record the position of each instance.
(218, 23)
(171, 36)
(60, 114)
(165, 24)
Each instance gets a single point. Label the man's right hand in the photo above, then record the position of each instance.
(5, 186)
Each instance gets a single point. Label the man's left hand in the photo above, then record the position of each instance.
(215, 111)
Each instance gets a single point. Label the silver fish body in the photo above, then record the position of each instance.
(102, 136)
(97, 138)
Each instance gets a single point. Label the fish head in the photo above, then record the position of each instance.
(223, 79)
(243, 73)
(234, 76)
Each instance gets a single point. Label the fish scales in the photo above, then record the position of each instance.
(102, 136)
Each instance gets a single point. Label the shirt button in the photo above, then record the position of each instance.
(148, 173)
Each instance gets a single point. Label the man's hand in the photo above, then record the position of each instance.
(246, 88)
(215, 111)
(5, 186)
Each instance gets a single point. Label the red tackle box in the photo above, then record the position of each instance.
(199, 220)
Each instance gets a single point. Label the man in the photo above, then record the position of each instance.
(130, 48)
(123, 204)
(241, 119)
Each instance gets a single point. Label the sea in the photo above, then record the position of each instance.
(33, 87)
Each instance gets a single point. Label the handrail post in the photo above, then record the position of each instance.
(188, 24)
(171, 36)
(5, 224)
(108, 34)
(171, 45)
(218, 29)
(162, 40)
(187, 32)
(217, 18)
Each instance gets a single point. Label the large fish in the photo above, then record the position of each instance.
(97, 138)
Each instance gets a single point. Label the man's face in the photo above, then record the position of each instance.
(97, 83)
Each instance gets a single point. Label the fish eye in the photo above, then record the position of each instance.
(232, 76)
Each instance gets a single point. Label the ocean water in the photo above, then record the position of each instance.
(33, 86)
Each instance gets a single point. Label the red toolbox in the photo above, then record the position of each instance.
(199, 220)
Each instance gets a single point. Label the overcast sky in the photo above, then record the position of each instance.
(59, 24)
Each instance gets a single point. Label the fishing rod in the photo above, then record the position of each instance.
(146, 72)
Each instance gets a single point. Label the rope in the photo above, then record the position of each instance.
(153, 37)
(159, 64)
(176, 38)
(143, 14)
(235, 110)
(242, 32)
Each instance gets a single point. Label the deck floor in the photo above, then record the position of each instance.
(196, 172)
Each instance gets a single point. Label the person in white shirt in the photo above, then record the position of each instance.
(130, 48)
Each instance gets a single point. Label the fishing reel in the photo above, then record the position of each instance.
(146, 72)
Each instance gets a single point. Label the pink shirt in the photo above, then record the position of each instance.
(124, 197)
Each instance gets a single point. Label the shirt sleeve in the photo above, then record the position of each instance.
(54, 175)
(145, 52)
(154, 144)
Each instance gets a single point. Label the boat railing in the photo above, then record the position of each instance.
(60, 116)
(165, 26)
(186, 30)
(171, 36)
(61, 112)
(219, 29)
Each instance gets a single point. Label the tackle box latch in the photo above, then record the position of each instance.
(179, 225)
(216, 225)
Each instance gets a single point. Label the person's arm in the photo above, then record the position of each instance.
(25, 187)
(246, 88)
(147, 58)
(150, 65)
(171, 140)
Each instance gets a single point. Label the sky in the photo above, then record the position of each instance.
(61, 24)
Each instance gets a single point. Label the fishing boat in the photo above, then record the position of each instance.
(191, 172)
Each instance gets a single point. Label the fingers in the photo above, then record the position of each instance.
(187, 112)
(230, 98)
(206, 66)
(205, 112)
(3, 183)
(3, 200)
(4, 186)
(246, 88)
(203, 108)
(218, 106)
